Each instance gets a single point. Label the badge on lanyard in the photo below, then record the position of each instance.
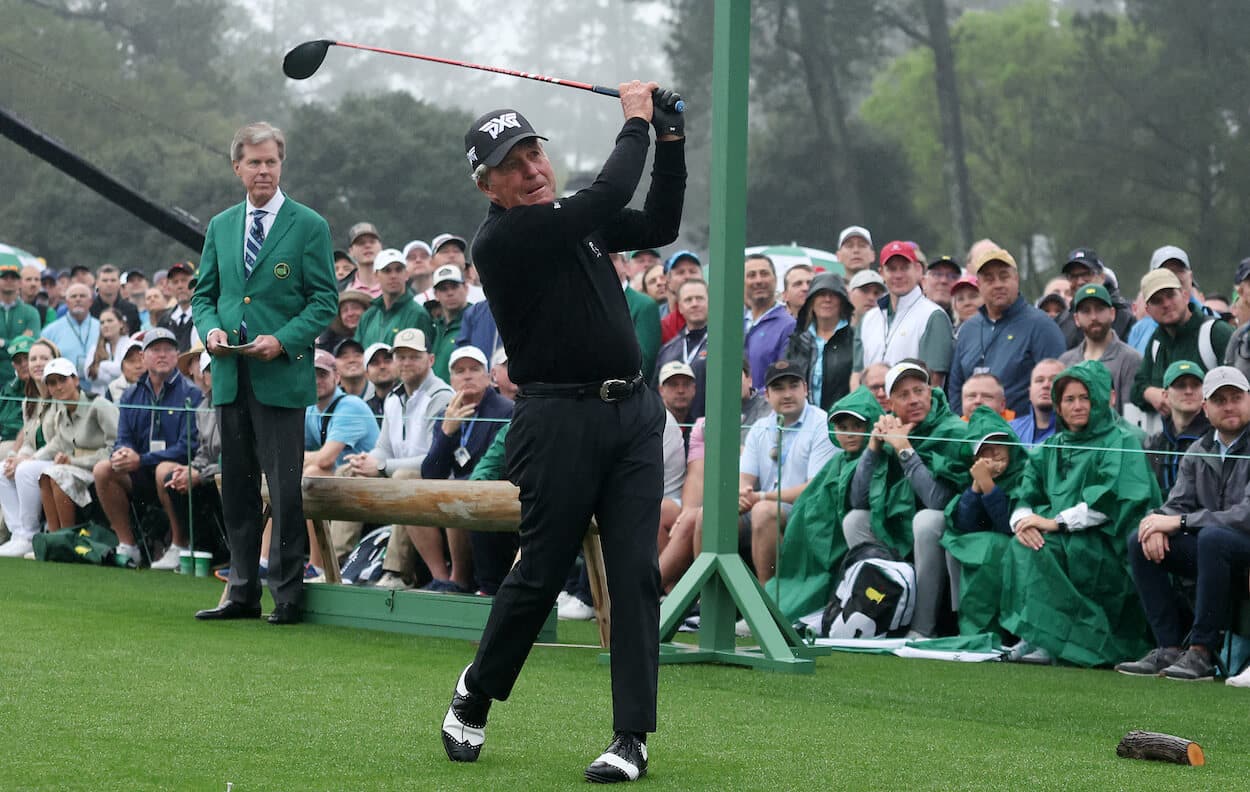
(462, 456)
(156, 446)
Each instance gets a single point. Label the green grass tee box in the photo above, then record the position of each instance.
(110, 684)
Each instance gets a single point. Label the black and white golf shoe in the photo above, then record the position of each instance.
(625, 760)
(464, 725)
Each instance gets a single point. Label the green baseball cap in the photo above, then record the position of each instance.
(19, 345)
(1182, 368)
(1091, 291)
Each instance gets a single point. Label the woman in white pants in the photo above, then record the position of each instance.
(19, 496)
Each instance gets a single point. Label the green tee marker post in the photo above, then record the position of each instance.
(718, 574)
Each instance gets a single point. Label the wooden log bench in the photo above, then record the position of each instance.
(467, 505)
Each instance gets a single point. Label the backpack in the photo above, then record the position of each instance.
(875, 596)
(1206, 350)
(364, 563)
(88, 543)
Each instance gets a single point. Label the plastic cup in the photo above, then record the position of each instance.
(203, 560)
(186, 562)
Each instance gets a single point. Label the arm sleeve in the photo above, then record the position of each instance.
(750, 453)
(822, 451)
(938, 342)
(545, 226)
(1145, 375)
(660, 219)
(956, 375)
(208, 286)
(968, 512)
(931, 492)
(438, 460)
(857, 353)
(997, 510)
(861, 482)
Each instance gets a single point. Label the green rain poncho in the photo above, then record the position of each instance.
(1075, 597)
(980, 553)
(813, 544)
(941, 441)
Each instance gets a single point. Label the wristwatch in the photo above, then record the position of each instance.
(1184, 522)
(382, 467)
(906, 454)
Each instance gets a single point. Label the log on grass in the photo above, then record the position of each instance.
(471, 505)
(1160, 748)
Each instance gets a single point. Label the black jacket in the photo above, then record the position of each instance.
(839, 349)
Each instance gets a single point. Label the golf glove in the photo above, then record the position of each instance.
(665, 119)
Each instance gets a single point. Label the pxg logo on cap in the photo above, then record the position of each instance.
(493, 135)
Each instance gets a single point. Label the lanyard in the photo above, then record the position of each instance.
(688, 354)
(466, 431)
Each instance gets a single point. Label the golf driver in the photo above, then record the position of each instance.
(304, 60)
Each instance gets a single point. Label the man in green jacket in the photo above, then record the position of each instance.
(645, 313)
(14, 390)
(395, 310)
(266, 290)
(16, 317)
(1182, 334)
(453, 297)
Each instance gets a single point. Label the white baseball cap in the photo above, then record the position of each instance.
(388, 257)
(375, 348)
(448, 272)
(675, 368)
(900, 370)
(409, 338)
(1167, 253)
(866, 277)
(63, 367)
(1216, 378)
(851, 231)
(468, 351)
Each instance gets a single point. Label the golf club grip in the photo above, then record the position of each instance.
(678, 106)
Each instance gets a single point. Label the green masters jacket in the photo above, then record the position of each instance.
(446, 331)
(379, 324)
(645, 313)
(18, 320)
(291, 295)
(11, 420)
(1075, 597)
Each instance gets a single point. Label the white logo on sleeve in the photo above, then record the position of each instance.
(499, 123)
(593, 248)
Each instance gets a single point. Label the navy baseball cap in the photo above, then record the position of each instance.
(1243, 271)
(1086, 257)
(493, 135)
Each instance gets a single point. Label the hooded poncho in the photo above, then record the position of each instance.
(813, 545)
(941, 442)
(1075, 597)
(980, 552)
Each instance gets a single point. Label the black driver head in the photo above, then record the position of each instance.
(303, 61)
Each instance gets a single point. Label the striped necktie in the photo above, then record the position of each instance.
(255, 240)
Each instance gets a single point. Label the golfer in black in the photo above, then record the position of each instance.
(586, 433)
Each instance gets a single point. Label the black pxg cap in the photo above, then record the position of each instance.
(493, 135)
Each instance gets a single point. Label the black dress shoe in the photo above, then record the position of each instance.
(286, 613)
(625, 760)
(230, 610)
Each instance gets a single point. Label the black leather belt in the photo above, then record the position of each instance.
(612, 390)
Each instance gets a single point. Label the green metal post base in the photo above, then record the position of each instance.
(724, 579)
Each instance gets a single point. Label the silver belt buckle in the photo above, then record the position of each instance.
(607, 386)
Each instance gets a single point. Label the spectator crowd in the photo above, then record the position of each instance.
(1071, 475)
